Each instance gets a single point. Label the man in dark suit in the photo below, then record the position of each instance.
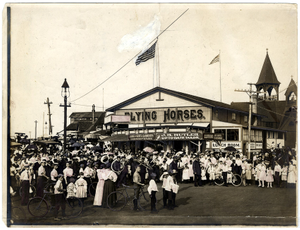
(197, 172)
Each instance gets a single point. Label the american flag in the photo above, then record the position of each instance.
(148, 54)
(216, 59)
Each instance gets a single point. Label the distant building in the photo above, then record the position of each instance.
(86, 125)
(279, 116)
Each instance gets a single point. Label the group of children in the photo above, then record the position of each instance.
(170, 189)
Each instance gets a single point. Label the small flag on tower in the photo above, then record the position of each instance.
(216, 59)
(148, 54)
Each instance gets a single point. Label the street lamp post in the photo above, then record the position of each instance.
(65, 93)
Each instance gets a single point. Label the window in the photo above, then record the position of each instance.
(233, 116)
(229, 134)
(245, 119)
(217, 114)
(232, 134)
(258, 135)
(280, 135)
(223, 131)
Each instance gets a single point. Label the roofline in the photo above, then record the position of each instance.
(268, 129)
(174, 93)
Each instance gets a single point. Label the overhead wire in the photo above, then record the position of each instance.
(127, 61)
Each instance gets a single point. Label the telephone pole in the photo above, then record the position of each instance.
(250, 94)
(49, 114)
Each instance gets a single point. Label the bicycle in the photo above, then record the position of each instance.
(40, 206)
(32, 191)
(234, 179)
(122, 198)
(17, 213)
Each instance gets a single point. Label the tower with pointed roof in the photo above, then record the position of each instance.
(267, 80)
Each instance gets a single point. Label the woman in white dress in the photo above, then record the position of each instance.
(262, 175)
(185, 173)
(81, 188)
(100, 186)
(291, 176)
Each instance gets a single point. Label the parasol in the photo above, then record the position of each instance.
(77, 144)
(148, 150)
(96, 148)
(230, 148)
(31, 147)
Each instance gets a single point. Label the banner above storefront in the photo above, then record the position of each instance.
(224, 144)
(165, 137)
(168, 115)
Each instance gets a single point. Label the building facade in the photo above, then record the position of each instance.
(167, 119)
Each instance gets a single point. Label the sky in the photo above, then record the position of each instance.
(89, 44)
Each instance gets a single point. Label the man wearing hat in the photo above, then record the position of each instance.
(68, 172)
(88, 173)
(172, 188)
(25, 179)
(41, 180)
(163, 178)
(152, 189)
(197, 172)
(59, 198)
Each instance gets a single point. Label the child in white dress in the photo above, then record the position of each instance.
(269, 177)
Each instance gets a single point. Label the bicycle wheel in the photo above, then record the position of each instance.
(74, 207)
(38, 207)
(144, 201)
(18, 216)
(119, 201)
(219, 180)
(236, 180)
(32, 191)
(92, 189)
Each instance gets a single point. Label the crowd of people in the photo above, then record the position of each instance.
(72, 172)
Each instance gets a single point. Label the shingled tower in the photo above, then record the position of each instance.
(268, 81)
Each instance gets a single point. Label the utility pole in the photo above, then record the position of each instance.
(49, 114)
(250, 93)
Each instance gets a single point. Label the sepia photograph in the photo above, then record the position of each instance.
(149, 115)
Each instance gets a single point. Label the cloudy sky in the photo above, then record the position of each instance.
(89, 43)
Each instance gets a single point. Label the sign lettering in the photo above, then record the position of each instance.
(167, 115)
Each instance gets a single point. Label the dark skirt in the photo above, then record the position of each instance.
(41, 181)
(109, 187)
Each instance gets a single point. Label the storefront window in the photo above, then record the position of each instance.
(232, 134)
(258, 135)
(221, 131)
(280, 135)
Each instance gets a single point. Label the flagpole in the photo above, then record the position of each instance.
(220, 76)
(154, 69)
(157, 67)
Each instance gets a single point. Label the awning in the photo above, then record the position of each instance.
(117, 138)
(267, 129)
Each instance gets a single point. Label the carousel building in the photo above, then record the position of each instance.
(167, 119)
